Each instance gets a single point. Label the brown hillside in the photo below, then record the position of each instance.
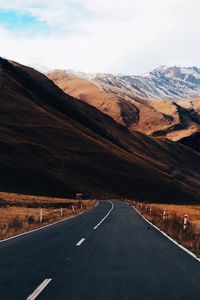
(53, 144)
(159, 118)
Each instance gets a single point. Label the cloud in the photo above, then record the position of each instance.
(129, 36)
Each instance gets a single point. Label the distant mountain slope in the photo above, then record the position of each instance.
(51, 143)
(175, 83)
(161, 83)
(165, 83)
(163, 118)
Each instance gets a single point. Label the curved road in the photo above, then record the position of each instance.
(108, 253)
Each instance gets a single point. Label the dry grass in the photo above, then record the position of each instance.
(172, 223)
(30, 199)
(20, 213)
(192, 211)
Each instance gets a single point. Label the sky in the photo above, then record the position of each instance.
(112, 36)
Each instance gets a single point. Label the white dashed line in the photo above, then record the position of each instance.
(95, 227)
(39, 289)
(80, 242)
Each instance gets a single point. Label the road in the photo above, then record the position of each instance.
(103, 254)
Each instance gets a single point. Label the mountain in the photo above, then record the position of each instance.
(54, 144)
(117, 98)
(164, 83)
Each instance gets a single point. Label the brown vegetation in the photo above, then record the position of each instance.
(170, 219)
(19, 213)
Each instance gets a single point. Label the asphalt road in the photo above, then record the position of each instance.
(122, 258)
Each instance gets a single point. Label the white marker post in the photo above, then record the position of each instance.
(164, 215)
(185, 220)
(73, 209)
(61, 211)
(150, 210)
(41, 215)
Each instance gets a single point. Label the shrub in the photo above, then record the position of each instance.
(16, 223)
(30, 219)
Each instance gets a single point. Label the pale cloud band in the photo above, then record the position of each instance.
(129, 36)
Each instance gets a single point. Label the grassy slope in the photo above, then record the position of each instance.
(20, 213)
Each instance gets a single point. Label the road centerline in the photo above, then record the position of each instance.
(80, 242)
(104, 218)
(39, 289)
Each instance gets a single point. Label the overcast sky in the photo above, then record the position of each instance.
(126, 36)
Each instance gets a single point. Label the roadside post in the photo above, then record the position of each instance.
(164, 214)
(61, 211)
(41, 215)
(185, 221)
(79, 196)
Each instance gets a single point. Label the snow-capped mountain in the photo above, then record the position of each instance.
(128, 99)
(162, 83)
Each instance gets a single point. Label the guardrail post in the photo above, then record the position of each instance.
(61, 211)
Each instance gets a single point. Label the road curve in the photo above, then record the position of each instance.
(123, 258)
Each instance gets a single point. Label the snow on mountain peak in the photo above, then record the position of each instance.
(170, 82)
(177, 72)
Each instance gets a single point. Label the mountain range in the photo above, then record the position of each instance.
(133, 100)
(161, 83)
(175, 83)
(54, 144)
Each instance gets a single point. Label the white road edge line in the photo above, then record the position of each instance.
(95, 227)
(39, 289)
(80, 242)
(48, 225)
(168, 237)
